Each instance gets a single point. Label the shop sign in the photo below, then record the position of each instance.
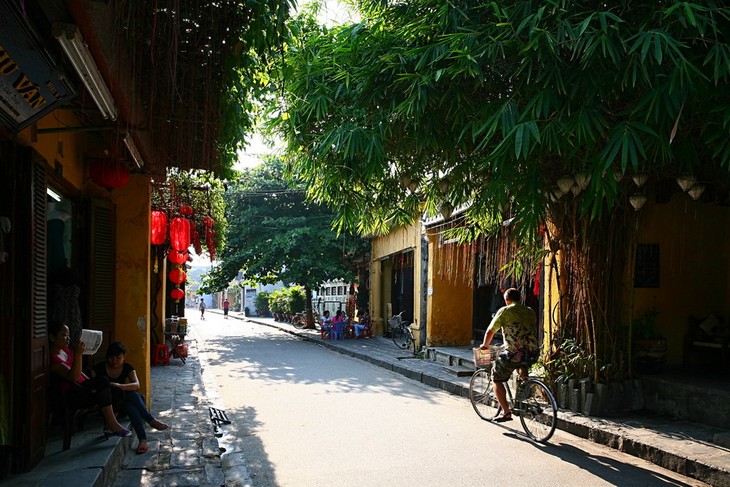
(31, 85)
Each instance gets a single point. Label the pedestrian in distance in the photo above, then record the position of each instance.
(226, 306)
(202, 309)
(520, 349)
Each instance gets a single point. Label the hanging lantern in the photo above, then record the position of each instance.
(180, 233)
(176, 257)
(109, 173)
(177, 276)
(637, 201)
(686, 181)
(640, 179)
(208, 221)
(696, 191)
(565, 183)
(158, 227)
(582, 179)
(177, 294)
(186, 210)
(196, 242)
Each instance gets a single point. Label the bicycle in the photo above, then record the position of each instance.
(534, 404)
(401, 332)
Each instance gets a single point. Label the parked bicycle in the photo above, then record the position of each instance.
(534, 403)
(401, 332)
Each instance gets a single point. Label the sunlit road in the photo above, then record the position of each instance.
(306, 416)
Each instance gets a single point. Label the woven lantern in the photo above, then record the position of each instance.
(109, 173)
(177, 294)
(177, 276)
(158, 227)
(176, 257)
(180, 234)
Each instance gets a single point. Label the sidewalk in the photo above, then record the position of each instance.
(684, 447)
(186, 454)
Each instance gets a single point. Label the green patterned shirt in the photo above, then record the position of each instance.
(517, 323)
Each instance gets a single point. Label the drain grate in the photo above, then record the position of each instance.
(218, 416)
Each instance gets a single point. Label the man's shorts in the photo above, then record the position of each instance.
(504, 366)
(225, 311)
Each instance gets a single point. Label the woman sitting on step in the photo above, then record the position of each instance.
(125, 392)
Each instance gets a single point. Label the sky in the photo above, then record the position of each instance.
(333, 12)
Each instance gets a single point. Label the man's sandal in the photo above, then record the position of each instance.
(501, 418)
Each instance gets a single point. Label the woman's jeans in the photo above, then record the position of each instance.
(137, 412)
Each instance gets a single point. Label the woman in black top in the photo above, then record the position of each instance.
(125, 392)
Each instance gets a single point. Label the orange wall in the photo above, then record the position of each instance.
(450, 301)
(133, 274)
(694, 243)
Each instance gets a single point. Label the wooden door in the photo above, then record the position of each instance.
(30, 340)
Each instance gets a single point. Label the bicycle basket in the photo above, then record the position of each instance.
(394, 321)
(482, 358)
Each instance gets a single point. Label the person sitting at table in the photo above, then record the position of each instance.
(364, 324)
(338, 323)
(125, 392)
(326, 323)
(66, 365)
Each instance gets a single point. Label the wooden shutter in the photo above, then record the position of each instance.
(30, 377)
(101, 272)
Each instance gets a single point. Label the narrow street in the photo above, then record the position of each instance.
(303, 415)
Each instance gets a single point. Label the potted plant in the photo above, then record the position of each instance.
(649, 346)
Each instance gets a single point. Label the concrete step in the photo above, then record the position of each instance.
(459, 371)
(452, 357)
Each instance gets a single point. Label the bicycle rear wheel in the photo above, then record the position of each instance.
(481, 394)
(401, 337)
(538, 410)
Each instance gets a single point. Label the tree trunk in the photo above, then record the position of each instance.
(308, 307)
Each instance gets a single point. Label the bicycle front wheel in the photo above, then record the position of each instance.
(538, 410)
(401, 337)
(482, 395)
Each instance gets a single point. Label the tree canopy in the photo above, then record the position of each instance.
(426, 104)
(276, 234)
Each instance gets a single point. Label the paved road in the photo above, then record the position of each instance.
(306, 416)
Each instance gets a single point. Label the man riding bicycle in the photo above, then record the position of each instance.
(520, 349)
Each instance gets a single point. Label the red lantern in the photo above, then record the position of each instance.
(177, 257)
(208, 221)
(186, 210)
(177, 294)
(158, 227)
(109, 173)
(180, 233)
(177, 276)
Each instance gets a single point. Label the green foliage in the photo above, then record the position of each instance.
(276, 234)
(287, 300)
(262, 302)
(499, 100)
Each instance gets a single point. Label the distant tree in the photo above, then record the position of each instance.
(276, 234)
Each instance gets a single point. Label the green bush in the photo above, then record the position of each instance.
(262, 303)
(297, 299)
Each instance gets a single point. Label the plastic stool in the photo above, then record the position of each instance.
(161, 355)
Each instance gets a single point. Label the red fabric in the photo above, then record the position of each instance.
(68, 363)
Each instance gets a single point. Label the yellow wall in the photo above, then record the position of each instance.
(694, 251)
(450, 301)
(399, 240)
(133, 274)
(69, 149)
